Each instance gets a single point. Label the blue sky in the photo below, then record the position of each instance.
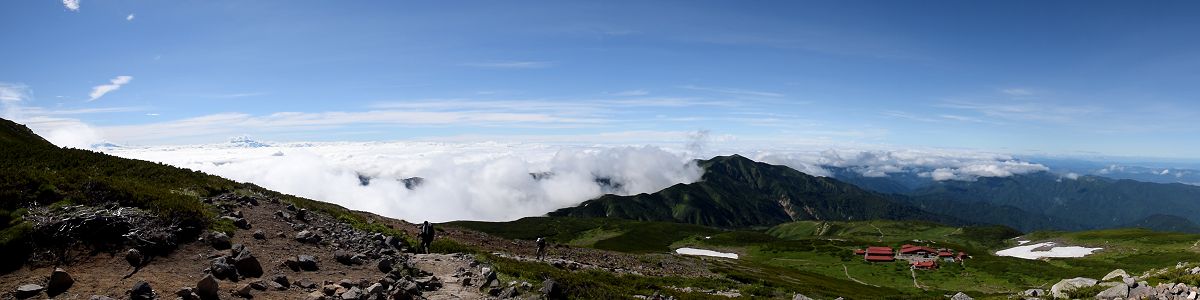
(1063, 77)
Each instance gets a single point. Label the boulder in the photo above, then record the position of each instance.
(346, 257)
(1059, 290)
(237, 248)
(351, 294)
(1142, 291)
(134, 257)
(552, 290)
(800, 297)
(509, 292)
(260, 235)
(961, 296)
(59, 282)
(385, 265)
(99, 297)
(376, 290)
(1130, 282)
(219, 241)
(1115, 274)
(222, 269)
(208, 288)
(142, 291)
(247, 265)
(307, 262)
(1119, 291)
(1034, 293)
(302, 215)
(28, 291)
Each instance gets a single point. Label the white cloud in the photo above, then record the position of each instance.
(129, 17)
(511, 64)
(72, 5)
(731, 91)
(115, 84)
(476, 181)
(938, 164)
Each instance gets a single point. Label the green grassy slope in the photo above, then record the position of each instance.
(34, 172)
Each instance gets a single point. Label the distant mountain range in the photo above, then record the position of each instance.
(738, 192)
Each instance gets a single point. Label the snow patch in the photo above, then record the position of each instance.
(702, 252)
(1030, 252)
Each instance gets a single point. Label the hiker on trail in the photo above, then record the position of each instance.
(426, 236)
(541, 250)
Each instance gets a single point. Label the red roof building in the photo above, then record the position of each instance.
(860, 252)
(919, 250)
(925, 265)
(879, 254)
(945, 253)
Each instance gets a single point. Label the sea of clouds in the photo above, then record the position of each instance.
(495, 181)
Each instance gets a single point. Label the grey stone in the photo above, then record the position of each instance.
(800, 297)
(247, 265)
(219, 241)
(1059, 289)
(1119, 291)
(208, 287)
(59, 282)
(142, 291)
(244, 291)
(1115, 274)
(99, 297)
(307, 262)
(222, 269)
(134, 257)
(352, 294)
(28, 291)
(1034, 293)
(260, 235)
(961, 296)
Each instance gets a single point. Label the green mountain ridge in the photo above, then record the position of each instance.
(738, 192)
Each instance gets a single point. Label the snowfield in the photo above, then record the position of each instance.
(1030, 252)
(702, 252)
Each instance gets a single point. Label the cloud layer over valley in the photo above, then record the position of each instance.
(505, 181)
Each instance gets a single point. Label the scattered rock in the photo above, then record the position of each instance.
(142, 291)
(1059, 289)
(352, 294)
(260, 235)
(961, 296)
(222, 269)
(28, 291)
(307, 262)
(385, 265)
(134, 257)
(801, 297)
(1115, 274)
(282, 280)
(187, 294)
(244, 291)
(258, 285)
(305, 236)
(1034, 293)
(346, 257)
(219, 241)
(99, 297)
(241, 223)
(247, 265)
(208, 288)
(59, 282)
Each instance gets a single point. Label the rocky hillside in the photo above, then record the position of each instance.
(738, 192)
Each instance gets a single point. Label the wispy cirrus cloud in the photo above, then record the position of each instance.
(1026, 111)
(114, 84)
(733, 91)
(1017, 92)
(510, 64)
